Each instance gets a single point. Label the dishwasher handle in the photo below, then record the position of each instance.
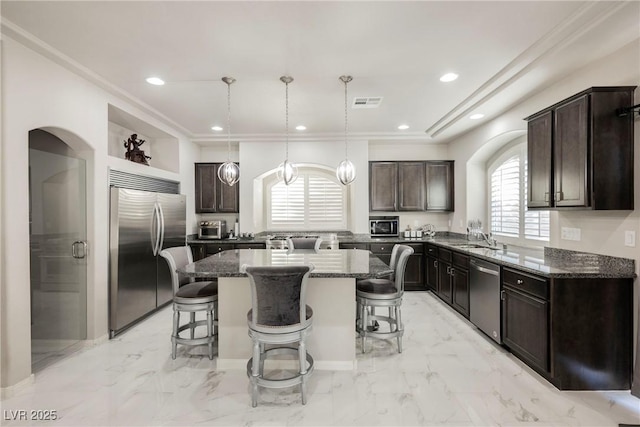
(475, 266)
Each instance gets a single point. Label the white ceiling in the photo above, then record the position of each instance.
(503, 52)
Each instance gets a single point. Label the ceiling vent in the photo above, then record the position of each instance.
(367, 102)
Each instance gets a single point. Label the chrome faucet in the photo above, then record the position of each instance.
(489, 239)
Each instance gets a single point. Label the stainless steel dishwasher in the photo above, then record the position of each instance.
(484, 297)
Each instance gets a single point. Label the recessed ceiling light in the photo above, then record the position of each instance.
(155, 81)
(476, 116)
(216, 128)
(301, 127)
(403, 127)
(449, 77)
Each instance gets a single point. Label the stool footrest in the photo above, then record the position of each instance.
(283, 382)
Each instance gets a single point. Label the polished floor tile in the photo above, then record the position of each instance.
(448, 374)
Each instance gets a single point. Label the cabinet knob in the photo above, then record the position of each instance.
(519, 281)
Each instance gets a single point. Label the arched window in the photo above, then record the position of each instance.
(508, 214)
(315, 201)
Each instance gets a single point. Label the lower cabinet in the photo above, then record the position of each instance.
(444, 276)
(460, 283)
(362, 246)
(198, 251)
(414, 274)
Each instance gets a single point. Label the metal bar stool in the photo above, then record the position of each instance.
(192, 297)
(279, 316)
(385, 293)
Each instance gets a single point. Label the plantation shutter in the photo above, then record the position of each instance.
(505, 198)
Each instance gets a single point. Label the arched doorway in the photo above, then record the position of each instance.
(58, 229)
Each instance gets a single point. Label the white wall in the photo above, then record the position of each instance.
(38, 93)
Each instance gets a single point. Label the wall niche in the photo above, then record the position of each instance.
(159, 145)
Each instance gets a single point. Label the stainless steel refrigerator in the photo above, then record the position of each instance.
(142, 223)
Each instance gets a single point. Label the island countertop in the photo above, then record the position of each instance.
(352, 263)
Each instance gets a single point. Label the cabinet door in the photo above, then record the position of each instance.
(383, 184)
(411, 186)
(414, 273)
(571, 183)
(432, 273)
(444, 281)
(439, 186)
(460, 291)
(206, 188)
(227, 197)
(525, 327)
(198, 251)
(539, 152)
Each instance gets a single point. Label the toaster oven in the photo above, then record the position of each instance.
(216, 229)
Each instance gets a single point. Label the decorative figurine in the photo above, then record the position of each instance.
(134, 153)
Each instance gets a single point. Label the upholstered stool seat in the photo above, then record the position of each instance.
(278, 317)
(191, 297)
(383, 293)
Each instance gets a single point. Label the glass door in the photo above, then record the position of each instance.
(57, 220)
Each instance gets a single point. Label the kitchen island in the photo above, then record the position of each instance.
(330, 292)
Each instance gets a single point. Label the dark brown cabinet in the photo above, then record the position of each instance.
(212, 196)
(580, 152)
(414, 274)
(362, 246)
(445, 291)
(439, 186)
(411, 186)
(431, 267)
(525, 318)
(460, 283)
(383, 186)
(198, 251)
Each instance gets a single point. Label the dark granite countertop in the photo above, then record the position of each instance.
(547, 262)
(352, 263)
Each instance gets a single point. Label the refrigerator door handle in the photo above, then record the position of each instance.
(161, 227)
(155, 229)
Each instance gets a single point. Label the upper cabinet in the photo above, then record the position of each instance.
(411, 186)
(212, 196)
(580, 152)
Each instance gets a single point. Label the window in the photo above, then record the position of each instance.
(509, 216)
(315, 201)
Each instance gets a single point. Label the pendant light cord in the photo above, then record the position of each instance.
(228, 121)
(346, 143)
(286, 150)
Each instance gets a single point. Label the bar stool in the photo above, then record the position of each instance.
(192, 297)
(373, 293)
(279, 316)
(304, 243)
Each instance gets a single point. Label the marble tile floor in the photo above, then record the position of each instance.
(448, 375)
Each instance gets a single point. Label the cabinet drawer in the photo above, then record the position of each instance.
(353, 246)
(432, 250)
(381, 248)
(444, 254)
(534, 285)
(215, 248)
(250, 245)
(460, 260)
(417, 247)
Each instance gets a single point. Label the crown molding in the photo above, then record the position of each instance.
(13, 31)
(581, 22)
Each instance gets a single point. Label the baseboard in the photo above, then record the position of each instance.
(12, 390)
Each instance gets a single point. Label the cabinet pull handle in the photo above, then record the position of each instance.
(435, 263)
(519, 282)
(559, 196)
(452, 271)
(448, 270)
(502, 295)
(546, 196)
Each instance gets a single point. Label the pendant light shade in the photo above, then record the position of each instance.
(229, 172)
(346, 171)
(287, 171)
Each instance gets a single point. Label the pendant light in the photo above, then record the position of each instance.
(229, 172)
(346, 171)
(287, 172)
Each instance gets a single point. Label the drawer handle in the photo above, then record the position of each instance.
(448, 270)
(452, 271)
(435, 263)
(519, 281)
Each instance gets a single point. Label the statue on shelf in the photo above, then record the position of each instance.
(134, 153)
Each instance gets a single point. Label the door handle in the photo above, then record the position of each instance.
(74, 251)
(155, 237)
(161, 240)
(435, 264)
(502, 295)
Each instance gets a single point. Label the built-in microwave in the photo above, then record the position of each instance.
(216, 229)
(383, 226)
